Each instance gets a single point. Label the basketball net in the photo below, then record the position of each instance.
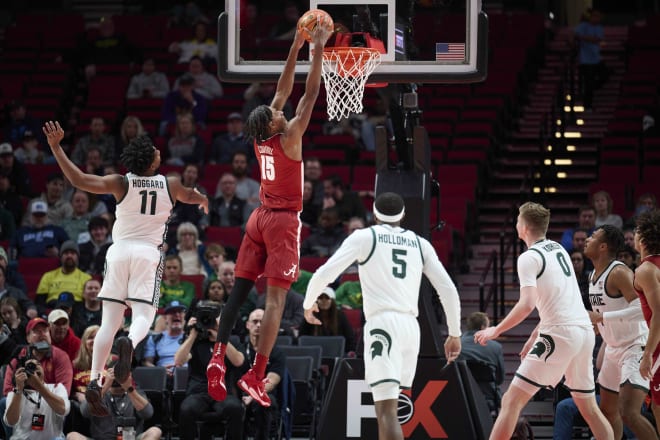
(345, 73)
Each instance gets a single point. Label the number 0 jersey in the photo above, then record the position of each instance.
(281, 177)
(143, 212)
(547, 266)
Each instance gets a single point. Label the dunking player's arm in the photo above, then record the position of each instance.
(292, 137)
(114, 184)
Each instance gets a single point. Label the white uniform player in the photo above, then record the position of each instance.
(625, 338)
(138, 234)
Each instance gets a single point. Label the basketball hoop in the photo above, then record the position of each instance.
(345, 73)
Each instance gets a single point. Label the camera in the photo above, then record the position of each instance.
(206, 312)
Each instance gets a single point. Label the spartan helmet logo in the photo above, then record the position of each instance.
(382, 340)
(543, 347)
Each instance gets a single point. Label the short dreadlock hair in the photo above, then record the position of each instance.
(256, 125)
(138, 155)
(648, 230)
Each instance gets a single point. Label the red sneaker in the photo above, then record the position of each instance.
(255, 388)
(215, 375)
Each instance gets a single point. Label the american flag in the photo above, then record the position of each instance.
(449, 51)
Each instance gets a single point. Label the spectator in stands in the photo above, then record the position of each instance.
(161, 347)
(82, 364)
(9, 291)
(333, 321)
(9, 198)
(87, 312)
(206, 84)
(326, 238)
(12, 276)
(66, 278)
(55, 362)
(59, 207)
(65, 301)
(214, 256)
(15, 320)
(19, 179)
(62, 334)
(201, 46)
(187, 14)
(491, 354)
(586, 220)
(285, 29)
(76, 226)
(183, 100)
(150, 83)
(227, 209)
(107, 48)
(629, 237)
(603, 205)
(185, 146)
(310, 212)
(233, 140)
(274, 372)
(196, 350)
(126, 401)
(40, 239)
(190, 250)
(347, 203)
(228, 278)
(629, 257)
(97, 137)
(579, 238)
(92, 252)
(246, 187)
(7, 224)
(262, 94)
(94, 161)
(645, 202)
(18, 122)
(184, 212)
(31, 151)
(313, 173)
(582, 274)
(355, 223)
(36, 408)
(131, 128)
(172, 288)
(590, 34)
(349, 295)
(293, 314)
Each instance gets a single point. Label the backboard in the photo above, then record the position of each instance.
(426, 41)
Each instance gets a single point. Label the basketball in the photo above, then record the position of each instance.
(308, 21)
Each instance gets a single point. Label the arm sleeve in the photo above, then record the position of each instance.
(349, 251)
(444, 287)
(631, 313)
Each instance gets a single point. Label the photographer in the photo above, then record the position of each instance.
(35, 409)
(129, 408)
(196, 350)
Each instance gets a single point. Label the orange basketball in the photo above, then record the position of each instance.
(308, 21)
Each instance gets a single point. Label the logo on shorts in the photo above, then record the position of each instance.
(382, 341)
(543, 347)
(291, 272)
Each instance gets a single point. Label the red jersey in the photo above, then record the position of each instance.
(646, 310)
(281, 177)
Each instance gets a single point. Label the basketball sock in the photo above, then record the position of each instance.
(259, 367)
(237, 297)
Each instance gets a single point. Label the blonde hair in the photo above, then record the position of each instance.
(186, 227)
(535, 216)
(83, 360)
(127, 120)
(610, 202)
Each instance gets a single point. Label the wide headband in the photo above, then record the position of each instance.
(388, 218)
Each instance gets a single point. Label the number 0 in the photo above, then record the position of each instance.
(564, 264)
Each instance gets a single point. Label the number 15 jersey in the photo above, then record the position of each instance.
(143, 212)
(281, 177)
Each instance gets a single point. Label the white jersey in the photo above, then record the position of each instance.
(143, 212)
(391, 262)
(616, 332)
(547, 266)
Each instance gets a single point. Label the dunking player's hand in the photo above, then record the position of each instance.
(54, 134)
(320, 34)
(310, 317)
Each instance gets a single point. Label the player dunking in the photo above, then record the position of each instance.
(391, 261)
(647, 285)
(563, 342)
(134, 262)
(271, 243)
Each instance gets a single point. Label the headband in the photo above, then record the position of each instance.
(389, 218)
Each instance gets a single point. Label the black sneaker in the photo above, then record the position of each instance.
(95, 400)
(123, 366)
